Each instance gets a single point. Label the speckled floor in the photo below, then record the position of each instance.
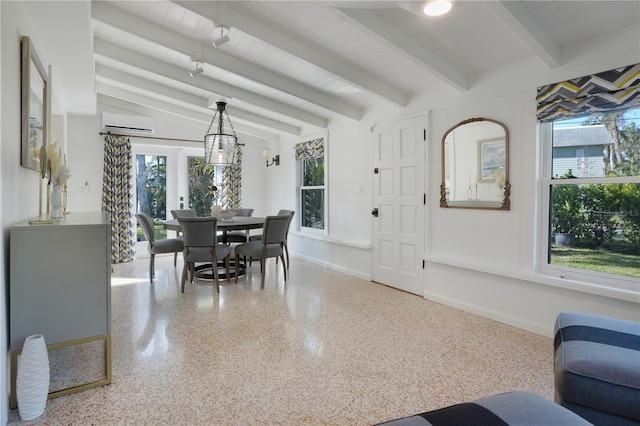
(324, 349)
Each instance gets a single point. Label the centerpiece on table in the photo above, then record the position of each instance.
(218, 211)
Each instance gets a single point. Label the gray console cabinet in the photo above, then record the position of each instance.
(60, 287)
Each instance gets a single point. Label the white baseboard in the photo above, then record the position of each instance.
(347, 271)
(491, 314)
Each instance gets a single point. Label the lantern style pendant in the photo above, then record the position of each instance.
(221, 147)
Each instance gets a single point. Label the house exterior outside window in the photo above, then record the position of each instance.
(589, 229)
(591, 215)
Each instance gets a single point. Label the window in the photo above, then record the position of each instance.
(151, 189)
(312, 193)
(204, 188)
(591, 198)
(311, 183)
(589, 194)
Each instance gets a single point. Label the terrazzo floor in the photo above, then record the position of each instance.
(324, 349)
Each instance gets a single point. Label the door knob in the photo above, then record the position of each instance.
(374, 212)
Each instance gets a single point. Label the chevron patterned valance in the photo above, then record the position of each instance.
(603, 92)
(310, 149)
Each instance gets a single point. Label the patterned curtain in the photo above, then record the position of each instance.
(232, 184)
(116, 196)
(603, 92)
(310, 149)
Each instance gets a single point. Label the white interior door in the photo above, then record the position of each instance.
(399, 197)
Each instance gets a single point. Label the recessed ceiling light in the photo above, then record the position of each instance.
(437, 7)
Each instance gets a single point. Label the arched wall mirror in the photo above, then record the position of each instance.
(475, 165)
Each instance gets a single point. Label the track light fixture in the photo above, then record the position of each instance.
(198, 68)
(223, 37)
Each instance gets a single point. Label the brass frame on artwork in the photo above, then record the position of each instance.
(13, 401)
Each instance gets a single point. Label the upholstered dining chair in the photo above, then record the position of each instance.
(286, 249)
(200, 236)
(239, 236)
(181, 213)
(167, 245)
(274, 236)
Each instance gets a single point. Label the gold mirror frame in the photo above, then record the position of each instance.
(35, 105)
(505, 204)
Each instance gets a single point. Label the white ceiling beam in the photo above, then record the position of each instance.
(155, 66)
(255, 27)
(105, 72)
(168, 107)
(127, 22)
(525, 26)
(406, 46)
(138, 84)
(205, 105)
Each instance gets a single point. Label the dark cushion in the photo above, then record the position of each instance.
(512, 408)
(597, 367)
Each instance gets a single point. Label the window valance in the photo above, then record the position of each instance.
(310, 149)
(607, 91)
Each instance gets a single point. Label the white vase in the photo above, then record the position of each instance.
(56, 201)
(32, 380)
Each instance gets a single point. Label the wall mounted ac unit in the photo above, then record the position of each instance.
(127, 124)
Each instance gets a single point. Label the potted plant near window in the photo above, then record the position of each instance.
(567, 213)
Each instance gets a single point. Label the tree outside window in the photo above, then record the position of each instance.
(594, 219)
(204, 190)
(312, 193)
(151, 190)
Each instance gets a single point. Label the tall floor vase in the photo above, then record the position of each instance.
(32, 381)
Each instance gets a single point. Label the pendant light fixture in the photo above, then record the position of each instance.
(221, 148)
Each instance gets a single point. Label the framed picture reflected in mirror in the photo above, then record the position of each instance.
(35, 105)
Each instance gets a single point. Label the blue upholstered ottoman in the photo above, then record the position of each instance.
(597, 368)
(512, 408)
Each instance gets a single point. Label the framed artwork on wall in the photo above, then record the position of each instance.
(35, 104)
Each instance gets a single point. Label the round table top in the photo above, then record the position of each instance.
(233, 224)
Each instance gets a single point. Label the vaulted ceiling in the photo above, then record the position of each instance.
(289, 65)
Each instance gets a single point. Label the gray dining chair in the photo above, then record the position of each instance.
(286, 249)
(274, 236)
(239, 236)
(201, 245)
(181, 213)
(167, 245)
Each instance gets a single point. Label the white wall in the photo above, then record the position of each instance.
(480, 261)
(18, 185)
(85, 155)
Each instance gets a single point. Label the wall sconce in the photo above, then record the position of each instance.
(275, 160)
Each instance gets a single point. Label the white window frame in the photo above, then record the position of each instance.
(581, 277)
(170, 184)
(299, 188)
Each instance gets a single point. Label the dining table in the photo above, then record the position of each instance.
(236, 223)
